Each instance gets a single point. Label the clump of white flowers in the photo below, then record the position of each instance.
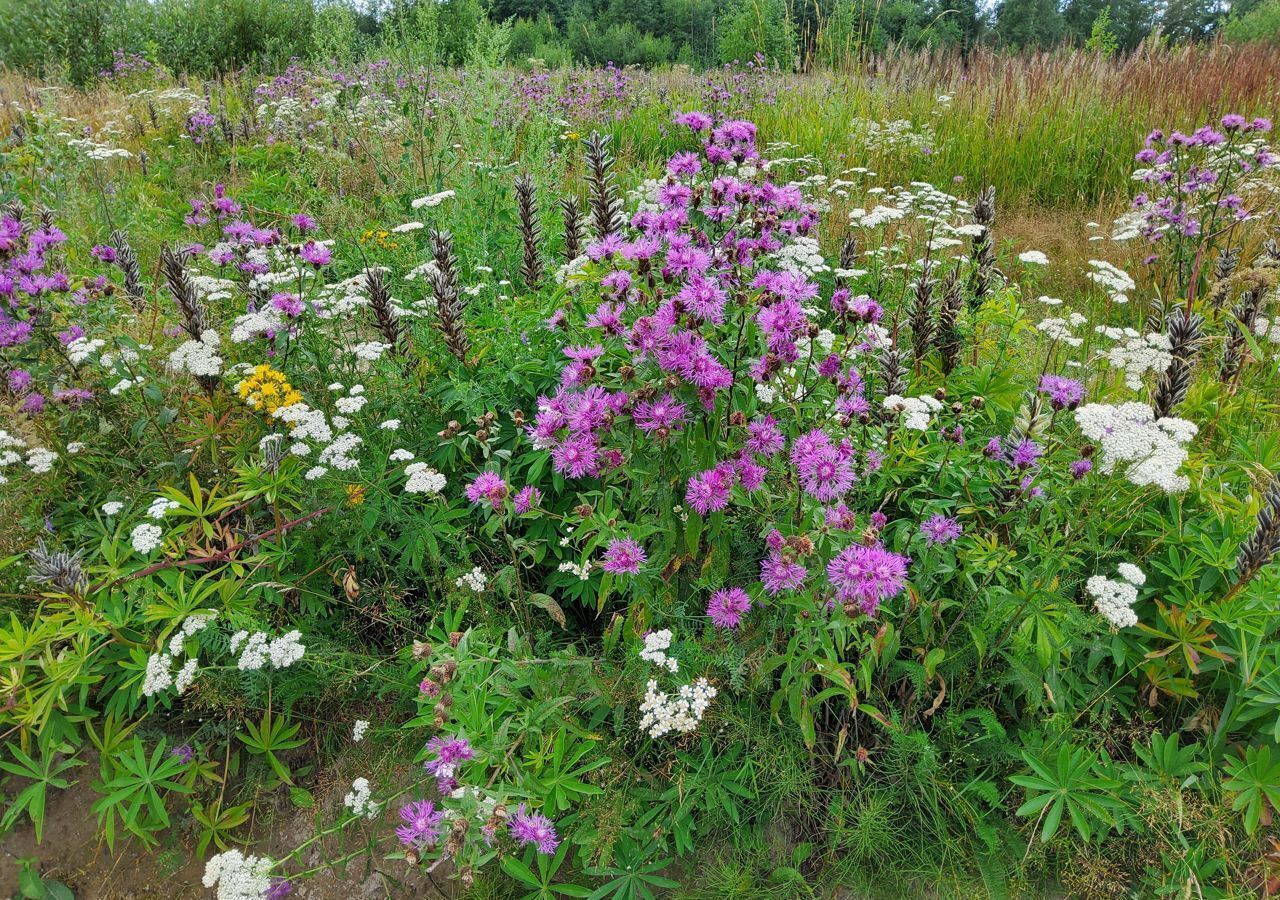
(159, 676)
(583, 570)
(1136, 353)
(1033, 257)
(146, 537)
(358, 730)
(260, 649)
(359, 799)
(198, 357)
(191, 626)
(159, 507)
(1151, 450)
(1114, 597)
(661, 714)
(1062, 329)
(111, 507)
(656, 644)
(432, 200)
(238, 877)
(475, 580)
(1116, 282)
(916, 411)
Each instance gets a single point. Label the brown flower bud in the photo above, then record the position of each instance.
(737, 418)
(1087, 450)
(350, 583)
(421, 650)
(454, 637)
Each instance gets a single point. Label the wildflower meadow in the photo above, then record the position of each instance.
(504, 482)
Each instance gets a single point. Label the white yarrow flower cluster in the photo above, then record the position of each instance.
(358, 730)
(238, 877)
(40, 460)
(656, 644)
(359, 799)
(1151, 450)
(1062, 329)
(474, 580)
(432, 200)
(198, 357)
(917, 411)
(1114, 597)
(1137, 354)
(1114, 281)
(145, 538)
(1033, 257)
(422, 479)
(661, 714)
(159, 675)
(159, 507)
(260, 649)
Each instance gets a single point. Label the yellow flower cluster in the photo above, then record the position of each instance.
(267, 388)
(379, 238)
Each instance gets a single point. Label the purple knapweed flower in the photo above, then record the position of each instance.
(423, 824)
(867, 575)
(487, 486)
(727, 607)
(534, 828)
(623, 556)
(940, 529)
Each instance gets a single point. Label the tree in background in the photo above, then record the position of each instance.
(1260, 23)
(1029, 23)
(762, 27)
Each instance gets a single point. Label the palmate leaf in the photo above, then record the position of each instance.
(1068, 786)
(43, 775)
(1255, 781)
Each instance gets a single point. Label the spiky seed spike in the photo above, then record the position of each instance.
(173, 264)
(1184, 329)
(384, 313)
(1264, 544)
(606, 206)
(848, 257)
(127, 261)
(1223, 268)
(922, 312)
(59, 569)
(982, 250)
(574, 227)
(530, 231)
(948, 321)
(892, 371)
(1243, 315)
(450, 301)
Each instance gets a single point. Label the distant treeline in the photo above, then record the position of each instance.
(81, 39)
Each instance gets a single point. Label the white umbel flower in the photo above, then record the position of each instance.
(359, 799)
(146, 538)
(238, 877)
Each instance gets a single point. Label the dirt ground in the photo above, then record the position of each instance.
(71, 853)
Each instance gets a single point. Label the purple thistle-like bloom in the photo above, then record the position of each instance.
(184, 753)
(534, 828)
(684, 163)
(764, 437)
(1024, 456)
(623, 556)
(1081, 468)
(488, 486)
(694, 121)
(526, 499)
(663, 415)
(280, 887)
(449, 754)
(709, 491)
(727, 607)
(1063, 393)
(423, 824)
(304, 222)
(940, 529)
(316, 254)
(778, 573)
(576, 456)
(825, 470)
(867, 575)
